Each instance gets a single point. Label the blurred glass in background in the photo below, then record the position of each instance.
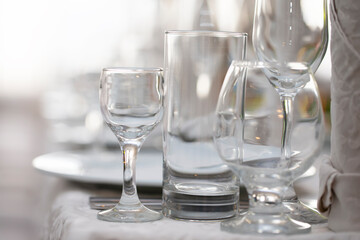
(53, 51)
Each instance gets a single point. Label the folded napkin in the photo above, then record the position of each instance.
(339, 196)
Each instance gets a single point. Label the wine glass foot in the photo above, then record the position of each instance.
(301, 212)
(133, 213)
(252, 223)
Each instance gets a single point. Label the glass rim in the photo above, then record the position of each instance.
(133, 69)
(209, 33)
(262, 64)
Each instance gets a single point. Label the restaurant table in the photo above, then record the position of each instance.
(36, 206)
(70, 217)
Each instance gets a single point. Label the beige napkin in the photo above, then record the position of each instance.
(339, 196)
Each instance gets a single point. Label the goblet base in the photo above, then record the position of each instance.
(253, 223)
(301, 212)
(132, 213)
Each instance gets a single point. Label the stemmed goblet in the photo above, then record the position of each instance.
(249, 140)
(292, 31)
(131, 101)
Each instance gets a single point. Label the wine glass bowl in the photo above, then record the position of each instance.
(287, 78)
(248, 137)
(131, 102)
(291, 31)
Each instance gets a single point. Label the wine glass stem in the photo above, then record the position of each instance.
(287, 105)
(129, 193)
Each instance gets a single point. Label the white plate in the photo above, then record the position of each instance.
(106, 167)
(101, 167)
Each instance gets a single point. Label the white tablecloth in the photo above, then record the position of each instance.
(70, 218)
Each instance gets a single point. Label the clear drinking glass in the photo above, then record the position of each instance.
(197, 184)
(248, 136)
(131, 101)
(292, 31)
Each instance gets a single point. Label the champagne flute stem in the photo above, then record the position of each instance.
(129, 193)
(287, 105)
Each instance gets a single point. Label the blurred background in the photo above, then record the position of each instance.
(51, 54)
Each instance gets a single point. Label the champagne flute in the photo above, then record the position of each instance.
(292, 31)
(131, 101)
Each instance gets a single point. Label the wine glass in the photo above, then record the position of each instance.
(292, 31)
(131, 101)
(248, 137)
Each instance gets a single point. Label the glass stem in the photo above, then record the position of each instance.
(129, 193)
(287, 105)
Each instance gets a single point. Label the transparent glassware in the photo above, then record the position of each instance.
(197, 185)
(131, 101)
(248, 137)
(292, 31)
